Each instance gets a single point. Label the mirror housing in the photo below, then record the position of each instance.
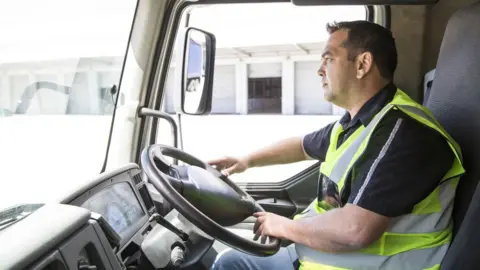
(194, 71)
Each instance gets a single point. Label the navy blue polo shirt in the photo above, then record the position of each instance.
(402, 164)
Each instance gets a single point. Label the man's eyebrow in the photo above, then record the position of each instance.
(327, 52)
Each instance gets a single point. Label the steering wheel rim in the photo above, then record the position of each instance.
(162, 183)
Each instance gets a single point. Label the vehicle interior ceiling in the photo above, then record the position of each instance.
(424, 43)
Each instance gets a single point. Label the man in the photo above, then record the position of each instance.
(388, 173)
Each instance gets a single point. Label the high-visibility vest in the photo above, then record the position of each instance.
(418, 240)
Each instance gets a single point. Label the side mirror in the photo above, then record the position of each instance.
(194, 72)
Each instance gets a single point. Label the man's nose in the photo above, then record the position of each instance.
(321, 70)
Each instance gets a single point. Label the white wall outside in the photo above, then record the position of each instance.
(288, 87)
(264, 70)
(224, 92)
(308, 92)
(169, 98)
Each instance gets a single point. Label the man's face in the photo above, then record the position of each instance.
(336, 70)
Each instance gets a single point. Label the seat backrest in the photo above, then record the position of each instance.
(455, 100)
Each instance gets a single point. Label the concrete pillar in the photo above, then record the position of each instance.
(60, 77)
(241, 87)
(6, 94)
(32, 77)
(94, 90)
(288, 87)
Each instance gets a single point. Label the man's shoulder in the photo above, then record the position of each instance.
(409, 128)
(323, 131)
(316, 143)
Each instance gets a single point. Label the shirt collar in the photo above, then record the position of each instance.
(370, 108)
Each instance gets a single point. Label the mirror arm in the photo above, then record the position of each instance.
(147, 112)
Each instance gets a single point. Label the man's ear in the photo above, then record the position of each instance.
(364, 64)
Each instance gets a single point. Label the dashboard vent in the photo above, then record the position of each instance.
(147, 199)
(144, 193)
(137, 179)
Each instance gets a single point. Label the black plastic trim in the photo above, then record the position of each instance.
(51, 261)
(283, 184)
(369, 13)
(98, 180)
(85, 238)
(278, 206)
(387, 17)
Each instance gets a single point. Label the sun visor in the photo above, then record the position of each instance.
(362, 2)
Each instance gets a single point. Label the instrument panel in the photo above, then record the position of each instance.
(121, 198)
(118, 205)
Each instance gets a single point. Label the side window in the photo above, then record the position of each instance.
(266, 86)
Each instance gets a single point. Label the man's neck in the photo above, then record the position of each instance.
(364, 94)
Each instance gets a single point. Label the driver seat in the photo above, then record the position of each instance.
(455, 101)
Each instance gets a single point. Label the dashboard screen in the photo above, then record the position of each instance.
(118, 205)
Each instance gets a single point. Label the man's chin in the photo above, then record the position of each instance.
(327, 96)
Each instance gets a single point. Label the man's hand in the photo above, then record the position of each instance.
(230, 165)
(269, 224)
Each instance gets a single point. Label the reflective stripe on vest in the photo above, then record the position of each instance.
(414, 241)
(427, 258)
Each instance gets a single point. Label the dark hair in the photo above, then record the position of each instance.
(364, 36)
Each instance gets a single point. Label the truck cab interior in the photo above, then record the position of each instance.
(155, 206)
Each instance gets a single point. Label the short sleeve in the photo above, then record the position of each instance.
(402, 165)
(316, 143)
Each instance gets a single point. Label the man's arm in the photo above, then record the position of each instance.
(401, 166)
(283, 152)
(340, 230)
(311, 146)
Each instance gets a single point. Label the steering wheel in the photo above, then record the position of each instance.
(204, 196)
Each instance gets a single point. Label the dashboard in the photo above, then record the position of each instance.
(118, 205)
(105, 224)
(121, 198)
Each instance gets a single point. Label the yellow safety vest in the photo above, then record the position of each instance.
(418, 240)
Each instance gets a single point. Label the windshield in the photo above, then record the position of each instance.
(11, 215)
(60, 66)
